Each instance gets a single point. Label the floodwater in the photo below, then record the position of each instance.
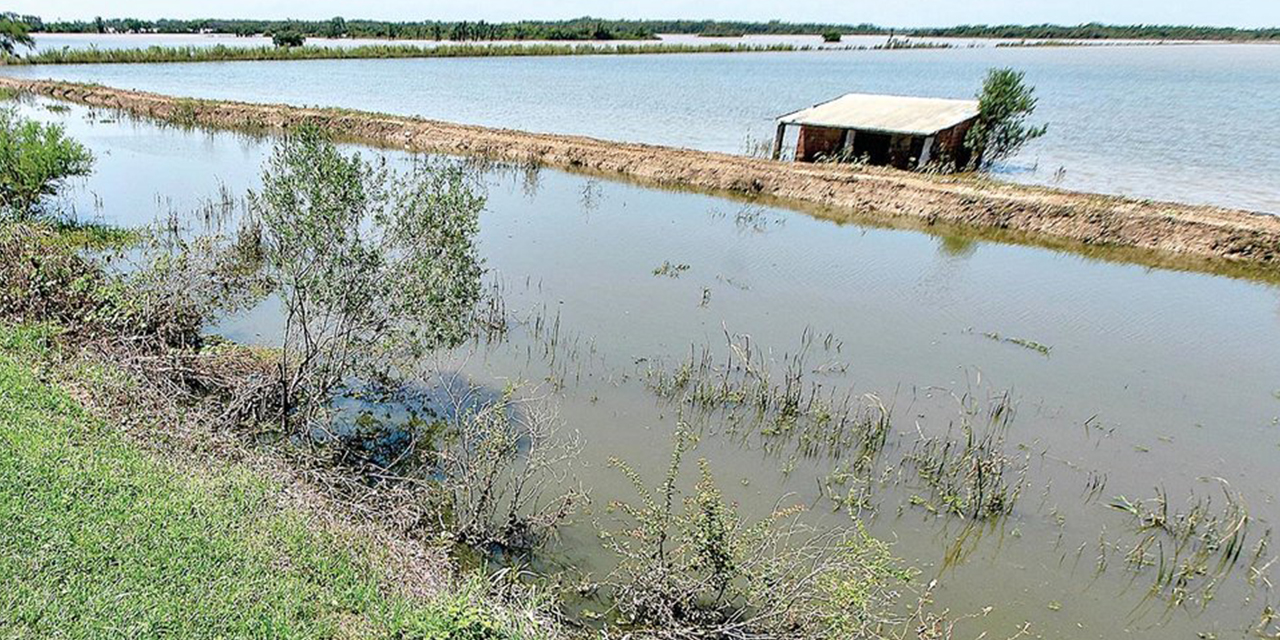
(1187, 123)
(1153, 380)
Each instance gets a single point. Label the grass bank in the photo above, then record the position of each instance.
(103, 540)
(1157, 233)
(220, 53)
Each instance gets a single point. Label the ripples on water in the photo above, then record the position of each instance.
(1189, 123)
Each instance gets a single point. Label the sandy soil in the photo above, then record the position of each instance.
(843, 193)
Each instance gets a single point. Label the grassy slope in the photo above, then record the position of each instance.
(101, 540)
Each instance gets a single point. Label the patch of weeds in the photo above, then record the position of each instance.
(95, 236)
(185, 112)
(57, 108)
(670, 270)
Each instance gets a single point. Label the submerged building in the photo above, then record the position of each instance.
(897, 131)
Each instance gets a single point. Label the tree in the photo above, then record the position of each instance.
(832, 36)
(288, 38)
(14, 33)
(337, 28)
(1003, 108)
(372, 267)
(35, 161)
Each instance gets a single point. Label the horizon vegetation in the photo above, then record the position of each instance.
(593, 28)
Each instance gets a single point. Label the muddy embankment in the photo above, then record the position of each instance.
(1160, 232)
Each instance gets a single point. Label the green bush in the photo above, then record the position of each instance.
(35, 161)
(371, 263)
(288, 39)
(832, 36)
(1003, 108)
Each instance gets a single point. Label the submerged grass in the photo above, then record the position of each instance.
(221, 53)
(1032, 345)
(754, 393)
(102, 539)
(971, 475)
(1193, 548)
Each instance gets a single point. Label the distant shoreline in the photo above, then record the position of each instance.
(1163, 232)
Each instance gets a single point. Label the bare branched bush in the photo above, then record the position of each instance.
(504, 471)
(693, 567)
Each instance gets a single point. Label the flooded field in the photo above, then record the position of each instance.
(1127, 420)
(1193, 124)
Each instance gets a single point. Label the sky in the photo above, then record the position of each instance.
(905, 13)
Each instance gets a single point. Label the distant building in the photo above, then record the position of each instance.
(897, 131)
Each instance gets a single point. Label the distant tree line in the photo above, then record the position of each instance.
(588, 28)
(338, 27)
(1096, 31)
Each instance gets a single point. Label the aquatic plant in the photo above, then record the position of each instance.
(670, 270)
(1042, 349)
(895, 43)
(751, 394)
(503, 471)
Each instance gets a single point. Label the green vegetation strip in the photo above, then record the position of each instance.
(220, 53)
(102, 540)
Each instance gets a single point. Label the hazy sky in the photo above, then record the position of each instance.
(1242, 13)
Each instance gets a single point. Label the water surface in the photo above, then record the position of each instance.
(1154, 379)
(1193, 124)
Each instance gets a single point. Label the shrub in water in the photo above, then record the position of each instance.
(35, 160)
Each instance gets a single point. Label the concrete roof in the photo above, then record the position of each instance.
(887, 114)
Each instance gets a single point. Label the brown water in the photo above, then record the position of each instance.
(1153, 378)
